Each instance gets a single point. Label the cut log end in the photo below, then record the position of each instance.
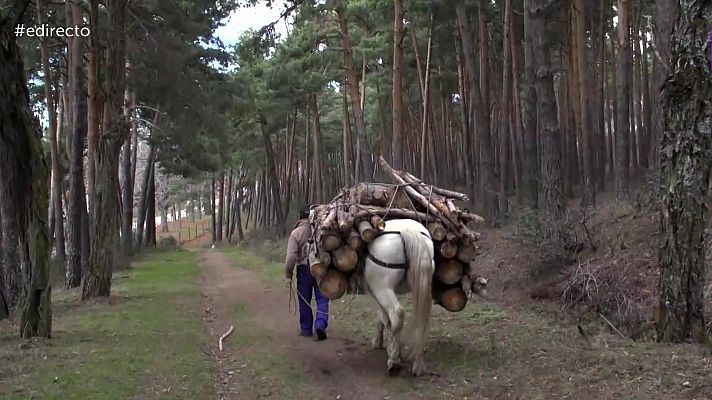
(452, 299)
(333, 285)
(345, 259)
(448, 272)
(366, 231)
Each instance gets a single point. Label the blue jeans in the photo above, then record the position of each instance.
(305, 285)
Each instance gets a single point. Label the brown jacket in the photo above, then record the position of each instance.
(296, 254)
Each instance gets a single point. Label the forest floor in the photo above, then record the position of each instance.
(494, 349)
(157, 336)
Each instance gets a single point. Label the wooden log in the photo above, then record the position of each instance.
(448, 272)
(324, 257)
(416, 196)
(317, 266)
(366, 231)
(377, 194)
(345, 259)
(452, 299)
(447, 249)
(333, 284)
(344, 220)
(378, 223)
(329, 240)
(466, 251)
(354, 240)
(385, 213)
(437, 231)
(442, 192)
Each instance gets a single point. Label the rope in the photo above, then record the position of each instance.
(308, 303)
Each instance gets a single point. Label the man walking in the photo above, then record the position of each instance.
(296, 255)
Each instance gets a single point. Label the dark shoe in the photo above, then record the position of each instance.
(320, 334)
(305, 334)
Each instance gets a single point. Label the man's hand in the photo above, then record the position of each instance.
(288, 281)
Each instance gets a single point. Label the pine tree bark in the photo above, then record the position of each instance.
(531, 167)
(582, 60)
(352, 86)
(666, 14)
(221, 207)
(143, 205)
(481, 116)
(104, 223)
(24, 182)
(127, 187)
(398, 128)
(553, 202)
(505, 158)
(151, 210)
(622, 167)
(318, 167)
(56, 195)
(686, 161)
(78, 115)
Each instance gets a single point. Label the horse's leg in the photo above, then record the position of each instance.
(377, 342)
(388, 300)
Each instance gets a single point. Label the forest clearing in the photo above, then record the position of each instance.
(355, 199)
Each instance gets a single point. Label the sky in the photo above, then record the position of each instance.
(255, 17)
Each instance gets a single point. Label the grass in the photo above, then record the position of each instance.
(269, 267)
(145, 342)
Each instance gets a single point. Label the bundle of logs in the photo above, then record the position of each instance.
(342, 229)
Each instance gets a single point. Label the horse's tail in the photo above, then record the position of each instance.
(419, 251)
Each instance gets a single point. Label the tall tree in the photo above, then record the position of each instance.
(26, 175)
(552, 199)
(104, 223)
(398, 128)
(623, 70)
(685, 164)
(353, 89)
(78, 114)
(481, 115)
(531, 167)
(666, 14)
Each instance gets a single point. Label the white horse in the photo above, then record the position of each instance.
(401, 258)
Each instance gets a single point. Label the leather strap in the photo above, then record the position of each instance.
(384, 264)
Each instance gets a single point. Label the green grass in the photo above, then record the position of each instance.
(145, 343)
(273, 270)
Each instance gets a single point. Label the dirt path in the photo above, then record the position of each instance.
(337, 368)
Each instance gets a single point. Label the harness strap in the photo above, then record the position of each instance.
(403, 265)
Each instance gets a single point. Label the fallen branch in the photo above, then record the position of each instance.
(224, 336)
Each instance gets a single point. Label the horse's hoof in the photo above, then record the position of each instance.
(377, 344)
(394, 370)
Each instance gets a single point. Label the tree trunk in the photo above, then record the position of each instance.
(582, 60)
(221, 207)
(143, 205)
(56, 195)
(128, 184)
(553, 200)
(398, 128)
(622, 167)
(318, 167)
(352, 86)
(104, 224)
(686, 160)
(531, 167)
(274, 181)
(78, 115)
(506, 96)
(481, 116)
(666, 14)
(212, 205)
(24, 182)
(151, 209)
